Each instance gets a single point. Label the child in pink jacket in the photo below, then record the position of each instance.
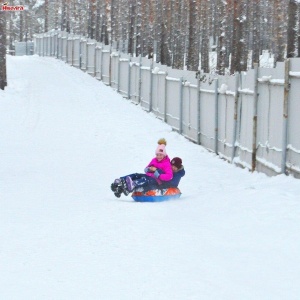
(158, 171)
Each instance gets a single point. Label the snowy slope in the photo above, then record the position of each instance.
(64, 137)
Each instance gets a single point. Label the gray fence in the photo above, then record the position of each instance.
(24, 48)
(249, 119)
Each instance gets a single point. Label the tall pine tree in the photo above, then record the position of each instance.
(3, 80)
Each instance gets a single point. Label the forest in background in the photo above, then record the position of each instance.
(181, 33)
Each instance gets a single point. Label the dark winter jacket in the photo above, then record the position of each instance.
(174, 182)
(166, 184)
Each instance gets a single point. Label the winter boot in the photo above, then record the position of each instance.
(118, 194)
(117, 187)
(130, 184)
(124, 187)
(116, 184)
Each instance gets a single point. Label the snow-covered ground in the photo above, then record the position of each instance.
(64, 137)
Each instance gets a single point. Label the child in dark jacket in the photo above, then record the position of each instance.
(178, 173)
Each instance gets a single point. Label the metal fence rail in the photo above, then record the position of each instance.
(250, 119)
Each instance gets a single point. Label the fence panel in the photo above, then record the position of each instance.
(98, 60)
(53, 43)
(90, 64)
(208, 112)
(59, 45)
(245, 115)
(48, 44)
(135, 79)
(38, 45)
(226, 117)
(70, 42)
(146, 83)
(64, 47)
(83, 54)
(159, 74)
(105, 66)
(114, 60)
(24, 48)
(174, 98)
(270, 119)
(76, 52)
(293, 144)
(124, 74)
(190, 113)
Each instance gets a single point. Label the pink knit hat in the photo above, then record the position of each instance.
(161, 148)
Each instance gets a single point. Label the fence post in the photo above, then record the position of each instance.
(43, 44)
(166, 96)
(180, 103)
(67, 48)
(119, 68)
(50, 46)
(151, 86)
(61, 45)
(109, 73)
(53, 44)
(285, 115)
(216, 115)
(101, 61)
(254, 130)
(72, 45)
(56, 45)
(80, 53)
(87, 56)
(198, 112)
(236, 99)
(129, 77)
(95, 60)
(140, 79)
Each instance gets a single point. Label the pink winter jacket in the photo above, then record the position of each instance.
(164, 166)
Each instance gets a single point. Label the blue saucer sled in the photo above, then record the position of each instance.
(157, 195)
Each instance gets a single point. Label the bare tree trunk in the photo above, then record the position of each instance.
(56, 8)
(292, 29)
(11, 32)
(216, 9)
(222, 37)
(205, 37)
(193, 49)
(104, 24)
(280, 30)
(146, 39)
(151, 29)
(3, 78)
(298, 22)
(256, 17)
(131, 26)
(92, 10)
(158, 28)
(238, 49)
(114, 25)
(138, 49)
(46, 20)
(176, 20)
(63, 24)
(245, 34)
(21, 26)
(165, 36)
